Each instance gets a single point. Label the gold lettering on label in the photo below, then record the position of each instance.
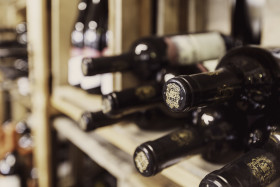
(172, 95)
(141, 161)
(224, 91)
(263, 169)
(145, 92)
(182, 137)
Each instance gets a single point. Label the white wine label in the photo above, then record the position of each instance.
(75, 73)
(89, 82)
(198, 47)
(10, 181)
(107, 83)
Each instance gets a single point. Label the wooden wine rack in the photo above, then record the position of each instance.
(49, 27)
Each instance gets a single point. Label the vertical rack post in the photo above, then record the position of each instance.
(38, 13)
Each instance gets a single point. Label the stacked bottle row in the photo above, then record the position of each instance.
(16, 159)
(219, 111)
(228, 115)
(88, 39)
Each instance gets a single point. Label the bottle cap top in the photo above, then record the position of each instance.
(176, 94)
(86, 62)
(144, 161)
(85, 121)
(213, 181)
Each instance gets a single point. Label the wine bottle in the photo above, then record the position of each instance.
(11, 166)
(96, 28)
(77, 34)
(92, 120)
(144, 119)
(145, 96)
(246, 22)
(77, 44)
(132, 100)
(21, 30)
(14, 68)
(25, 147)
(148, 55)
(246, 77)
(95, 41)
(14, 37)
(217, 133)
(258, 167)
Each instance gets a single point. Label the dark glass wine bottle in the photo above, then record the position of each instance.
(11, 165)
(132, 100)
(95, 41)
(25, 147)
(11, 168)
(92, 120)
(146, 96)
(77, 44)
(258, 167)
(96, 27)
(21, 30)
(144, 119)
(14, 37)
(246, 77)
(148, 55)
(217, 133)
(246, 22)
(77, 34)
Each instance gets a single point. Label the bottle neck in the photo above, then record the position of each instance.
(255, 168)
(132, 100)
(258, 167)
(92, 120)
(153, 156)
(189, 91)
(94, 66)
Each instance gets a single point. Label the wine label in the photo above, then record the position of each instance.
(172, 95)
(10, 181)
(263, 169)
(141, 161)
(182, 137)
(75, 73)
(89, 82)
(188, 49)
(145, 92)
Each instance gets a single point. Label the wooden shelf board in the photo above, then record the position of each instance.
(110, 157)
(74, 101)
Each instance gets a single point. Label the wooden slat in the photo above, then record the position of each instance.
(271, 28)
(114, 160)
(74, 101)
(63, 15)
(218, 16)
(39, 60)
(168, 20)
